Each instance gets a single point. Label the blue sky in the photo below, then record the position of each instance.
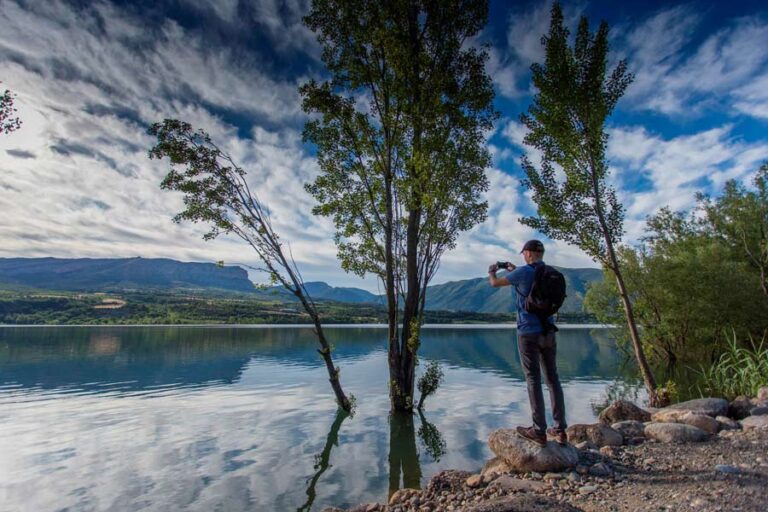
(91, 76)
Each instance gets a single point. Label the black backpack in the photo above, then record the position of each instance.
(547, 293)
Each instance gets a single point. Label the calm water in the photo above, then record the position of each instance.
(234, 418)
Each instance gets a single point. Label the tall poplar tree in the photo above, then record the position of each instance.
(399, 130)
(575, 94)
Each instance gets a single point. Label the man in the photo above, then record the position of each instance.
(537, 347)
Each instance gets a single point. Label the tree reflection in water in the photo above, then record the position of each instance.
(403, 453)
(322, 459)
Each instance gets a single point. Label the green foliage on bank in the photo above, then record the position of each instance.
(32, 307)
(698, 286)
(740, 370)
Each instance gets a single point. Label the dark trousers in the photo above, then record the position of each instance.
(537, 352)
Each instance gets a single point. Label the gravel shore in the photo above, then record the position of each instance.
(729, 472)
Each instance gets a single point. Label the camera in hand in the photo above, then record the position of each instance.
(503, 265)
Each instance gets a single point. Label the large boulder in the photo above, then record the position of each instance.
(630, 429)
(675, 433)
(702, 421)
(622, 410)
(599, 435)
(710, 406)
(521, 503)
(759, 410)
(523, 456)
(759, 422)
(739, 408)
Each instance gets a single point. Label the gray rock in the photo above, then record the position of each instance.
(585, 445)
(574, 477)
(709, 406)
(512, 484)
(622, 410)
(726, 468)
(757, 422)
(759, 411)
(599, 435)
(629, 429)
(726, 423)
(675, 433)
(600, 469)
(474, 481)
(739, 408)
(702, 421)
(496, 465)
(521, 503)
(332, 509)
(523, 456)
(762, 393)
(587, 489)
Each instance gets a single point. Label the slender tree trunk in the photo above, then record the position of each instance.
(404, 375)
(325, 352)
(409, 342)
(325, 347)
(642, 362)
(393, 349)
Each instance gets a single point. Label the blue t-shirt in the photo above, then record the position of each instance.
(521, 280)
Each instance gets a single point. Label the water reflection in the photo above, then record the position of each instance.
(173, 418)
(322, 459)
(403, 456)
(433, 440)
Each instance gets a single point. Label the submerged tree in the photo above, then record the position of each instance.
(9, 122)
(217, 193)
(566, 123)
(400, 137)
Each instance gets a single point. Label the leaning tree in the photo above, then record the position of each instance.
(216, 192)
(399, 129)
(566, 122)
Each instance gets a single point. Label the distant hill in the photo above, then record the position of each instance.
(85, 274)
(476, 295)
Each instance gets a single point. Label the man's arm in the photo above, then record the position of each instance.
(496, 282)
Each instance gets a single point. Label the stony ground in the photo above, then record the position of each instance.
(727, 473)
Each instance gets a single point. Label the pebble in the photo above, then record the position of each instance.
(728, 469)
(587, 489)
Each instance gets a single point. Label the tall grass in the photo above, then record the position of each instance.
(738, 371)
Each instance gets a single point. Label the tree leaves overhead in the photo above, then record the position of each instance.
(365, 118)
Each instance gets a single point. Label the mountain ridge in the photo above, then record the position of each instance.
(116, 274)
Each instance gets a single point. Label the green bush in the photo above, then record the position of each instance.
(738, 371)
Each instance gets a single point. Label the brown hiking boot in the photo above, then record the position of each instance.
(530, 434)
(559, 436)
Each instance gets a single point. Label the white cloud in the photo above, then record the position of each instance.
(89, 81)
(509, 65)
(671, 79)
(677, 168)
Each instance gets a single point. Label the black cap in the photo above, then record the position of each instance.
(533, 245)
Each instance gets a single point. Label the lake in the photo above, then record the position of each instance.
(243, 418)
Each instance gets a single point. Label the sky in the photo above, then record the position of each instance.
(91, 76)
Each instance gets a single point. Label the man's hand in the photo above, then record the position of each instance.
(493, 268)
